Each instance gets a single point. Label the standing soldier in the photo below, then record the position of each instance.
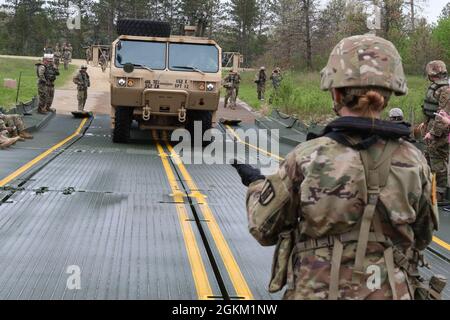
(436, 132)
(356, 201)
(88, 55)
(260, 81)
(57, 56)
(51, 73)
(41, 71)
(70, 49)
(66, 59)
(276, 79)
(103, 61)
(83, 83)
(231, 83)
(5, 141)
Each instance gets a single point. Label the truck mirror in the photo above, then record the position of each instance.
(128, 67)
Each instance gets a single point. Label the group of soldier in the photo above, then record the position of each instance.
(435, 129)
(233, 79)
(64, 53)
(261, 79)
(12, 127)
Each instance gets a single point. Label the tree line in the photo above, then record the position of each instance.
(295, 34)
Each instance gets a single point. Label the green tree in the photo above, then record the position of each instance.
(441, 35)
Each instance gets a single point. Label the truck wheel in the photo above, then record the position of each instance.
(122, 126)
(205, 117)
(146, 28)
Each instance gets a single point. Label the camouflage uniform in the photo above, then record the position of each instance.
(437, 99)
(83, 83)
(327, 197)
(276, 79)
(232, 82)
(46, 74)
(57, 58)
(66, 59)
(260, 81)
(12, 125)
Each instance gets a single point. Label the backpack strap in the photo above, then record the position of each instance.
(376, 176)
(377, 173)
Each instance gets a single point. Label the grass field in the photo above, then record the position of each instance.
(10, 68)
(300, 94)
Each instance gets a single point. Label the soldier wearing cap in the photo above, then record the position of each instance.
(436, 132)
(355, 202)
(83, 83)
(260, 80)
(46, 74)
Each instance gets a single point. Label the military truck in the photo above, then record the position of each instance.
(162, 81)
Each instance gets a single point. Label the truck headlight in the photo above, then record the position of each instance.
(122, 82)
(210, 87)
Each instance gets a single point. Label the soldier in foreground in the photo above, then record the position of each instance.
(83, 83)
(13, 125)
(231, 84)
(260, 81)
(46, 73)
(436, 132)
(352, 210)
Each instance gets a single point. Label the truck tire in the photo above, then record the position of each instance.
(205, 117)
(122, 125)
(145, 28)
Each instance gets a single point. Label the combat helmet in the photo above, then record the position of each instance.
(365, 61)
(396, 113)
(436, 68)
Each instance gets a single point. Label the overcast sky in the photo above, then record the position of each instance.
(433, 8)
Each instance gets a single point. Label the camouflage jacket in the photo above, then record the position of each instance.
(46, 74)
(233, 80)
(276, 79)
(320, 190)
(261, 78)
(442, 97)
(82, 81)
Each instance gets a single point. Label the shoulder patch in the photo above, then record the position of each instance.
(267, 193)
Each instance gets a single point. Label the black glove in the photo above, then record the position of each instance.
(248, 173)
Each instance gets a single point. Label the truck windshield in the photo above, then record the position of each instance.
(193, 57)
(149, 54)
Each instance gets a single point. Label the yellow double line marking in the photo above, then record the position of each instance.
(234, 272)
(195, 259)
(436, 240)
(239, 139)
(42, 156)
